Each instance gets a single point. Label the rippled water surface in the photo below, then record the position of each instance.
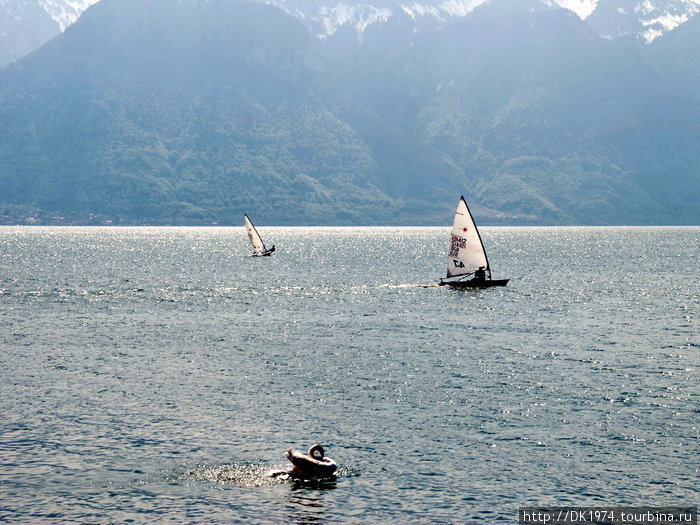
(157, 374)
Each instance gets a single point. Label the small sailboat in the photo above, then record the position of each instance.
(256, 241)
(467, 257)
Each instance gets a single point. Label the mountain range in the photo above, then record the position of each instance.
(191, 112)
(25, 25)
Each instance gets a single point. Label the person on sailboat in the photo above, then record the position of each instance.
(480, 274)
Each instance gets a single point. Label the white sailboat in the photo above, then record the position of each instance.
(256, 241)
(467, 256)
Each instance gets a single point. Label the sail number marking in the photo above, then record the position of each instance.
(457, 243)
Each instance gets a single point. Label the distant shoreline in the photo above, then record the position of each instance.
(339, 226)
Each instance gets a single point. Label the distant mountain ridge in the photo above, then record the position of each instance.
(65, 12)
(27, 24)
(206, 109)
(647, 20)
(194, 115)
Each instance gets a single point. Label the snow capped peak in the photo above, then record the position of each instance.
(664, 16)
(646, 19)
(460, 7)
(359, 16)
(65, 12)
(583, 8)
(447, 7)
(417, 10)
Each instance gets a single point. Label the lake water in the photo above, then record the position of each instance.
(154, 375)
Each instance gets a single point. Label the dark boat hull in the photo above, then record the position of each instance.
(266, 253)
(487, 283)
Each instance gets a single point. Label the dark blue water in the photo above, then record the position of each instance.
(155, 375)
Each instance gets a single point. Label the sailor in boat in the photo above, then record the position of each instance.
(480, 274)
(312, 465)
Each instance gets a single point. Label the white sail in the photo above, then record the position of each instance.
(466, 249)
(254, 236)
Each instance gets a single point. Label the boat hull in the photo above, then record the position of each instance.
(265, 253)
(488, 283)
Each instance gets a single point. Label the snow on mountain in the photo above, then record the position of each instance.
(645, 19)
(359, 16)
(665, 17)
(583, 8)
(460, 7)
(27, 24)
(325, 20)
(65, 12)
(418, 10)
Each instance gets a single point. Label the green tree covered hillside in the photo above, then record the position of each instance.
(192, 112)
